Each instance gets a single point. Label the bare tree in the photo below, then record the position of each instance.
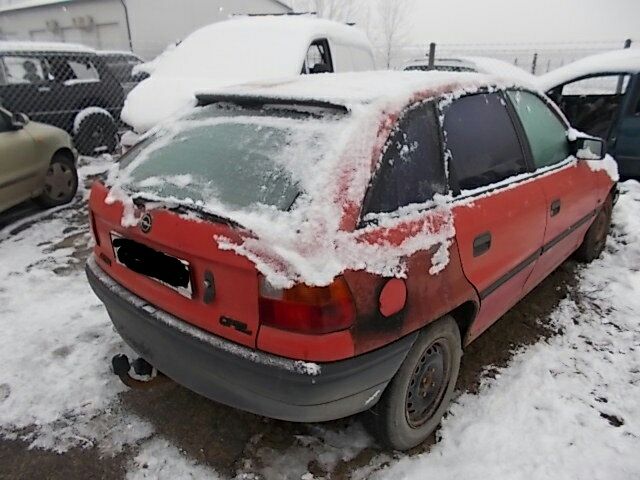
(393, 30)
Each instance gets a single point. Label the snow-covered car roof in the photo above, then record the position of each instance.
(618, 61)
(33, 47)
(226, 53)
(487, 65)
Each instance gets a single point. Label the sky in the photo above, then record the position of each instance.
(512, 21)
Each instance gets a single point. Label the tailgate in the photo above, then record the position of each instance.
(175, 264)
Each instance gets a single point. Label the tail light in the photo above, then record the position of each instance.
(311, 310)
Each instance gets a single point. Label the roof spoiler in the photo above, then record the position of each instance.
(258, 102)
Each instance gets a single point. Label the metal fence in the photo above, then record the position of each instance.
(536, 58)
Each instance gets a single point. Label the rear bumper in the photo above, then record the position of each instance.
(241, 377)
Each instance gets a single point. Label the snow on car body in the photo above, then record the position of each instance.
(600, 95)
(243, 50)
(325, 252)
(486, 65)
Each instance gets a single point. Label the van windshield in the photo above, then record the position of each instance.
(226, 156)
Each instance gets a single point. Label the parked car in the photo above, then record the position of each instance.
(240, 50)
(64, 85)
(122, 65)
(600, 95)
(313, 258)
(486, 65)
(37, 161)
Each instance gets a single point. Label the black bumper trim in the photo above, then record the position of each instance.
(245, 378)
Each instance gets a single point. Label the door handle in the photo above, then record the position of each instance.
(481, 244)
(44, 89)
(555, 207)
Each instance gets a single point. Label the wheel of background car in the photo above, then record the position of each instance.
(61, 182)
(95, 132)
(418, 395)
(596, 237)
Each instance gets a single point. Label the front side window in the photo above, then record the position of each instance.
(482, 140)
(546, 133)
(411, 170)
(23, 70)
(318, 59)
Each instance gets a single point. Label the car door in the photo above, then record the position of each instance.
(569, 185)
(625, 144)
(499, 213)
(399, 213)
(18, 168)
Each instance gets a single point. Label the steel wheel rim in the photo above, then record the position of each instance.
(58, 183)
(428, 383)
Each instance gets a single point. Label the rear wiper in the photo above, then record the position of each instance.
(141, 201)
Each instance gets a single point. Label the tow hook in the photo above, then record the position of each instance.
(146, 376)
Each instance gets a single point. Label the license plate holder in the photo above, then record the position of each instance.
(170, 271)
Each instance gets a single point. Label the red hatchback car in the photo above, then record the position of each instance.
(321, 247)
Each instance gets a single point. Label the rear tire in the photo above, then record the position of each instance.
(97, 132)
(419, 394)
(61, 182)
(596, 237)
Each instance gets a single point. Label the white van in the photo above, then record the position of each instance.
(242, 50)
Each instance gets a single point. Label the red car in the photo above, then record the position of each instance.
(321, 247)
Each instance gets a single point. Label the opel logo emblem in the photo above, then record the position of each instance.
(145, 223)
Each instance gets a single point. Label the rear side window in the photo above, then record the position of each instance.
(411, 169)
(482, 140)
(75, 69)
(546, 133)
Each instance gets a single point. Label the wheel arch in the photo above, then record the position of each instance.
(464, 316)
(65, 152)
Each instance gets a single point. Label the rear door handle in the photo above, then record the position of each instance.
(481, 244)
(44, 89)
(555, 207)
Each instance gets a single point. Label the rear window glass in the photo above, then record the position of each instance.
(122, 67)
(482, 140)
(226, 157)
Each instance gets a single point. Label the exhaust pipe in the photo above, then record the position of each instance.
(146, 376)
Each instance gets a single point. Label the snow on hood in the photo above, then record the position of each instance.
(627, 60)
(226, 53)
(308, 243)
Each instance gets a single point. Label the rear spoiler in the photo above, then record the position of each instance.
(248, 101)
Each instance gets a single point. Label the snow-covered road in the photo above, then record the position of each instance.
(566, 407)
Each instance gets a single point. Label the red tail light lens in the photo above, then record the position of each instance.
(311, 310)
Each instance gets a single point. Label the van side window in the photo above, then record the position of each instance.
(65, 69)
(318, 59)
(482, 140)
(547, 135)
(411, 170)
(19, 70)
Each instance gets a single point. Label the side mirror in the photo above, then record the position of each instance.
(590, 148)
(19, 120)
(320, 68)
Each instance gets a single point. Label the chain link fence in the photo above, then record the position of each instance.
(83, 90)
(536, 58)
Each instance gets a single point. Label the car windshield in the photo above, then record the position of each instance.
(227, 156)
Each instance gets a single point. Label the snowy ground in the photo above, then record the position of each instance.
(565, 407)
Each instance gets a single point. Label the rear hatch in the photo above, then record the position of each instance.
(175, 264)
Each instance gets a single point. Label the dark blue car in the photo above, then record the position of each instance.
(600, 95)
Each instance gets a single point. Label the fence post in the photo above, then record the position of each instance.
(432, 55)
(627, 44)
(534, 63)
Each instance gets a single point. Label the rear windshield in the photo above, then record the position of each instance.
(227, 156)
(122, 67)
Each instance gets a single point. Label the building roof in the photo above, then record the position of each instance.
(24, 4)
